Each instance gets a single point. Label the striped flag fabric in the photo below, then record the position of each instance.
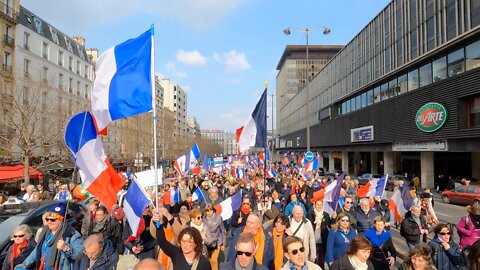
(254, 131)
(197, 195)
(271, 173)
(285, 160)
(225, 209)
(400, 202)
(136, 200)
(123, 81)
(374, 187)
(329, 195)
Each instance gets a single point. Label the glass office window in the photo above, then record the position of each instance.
(392, 88)
(370, 97)
(413, 80)
(347, 106)
(475, 12)
(352, 105)
(343, 108)
(402, 84)
(451, 21)
(384, 91)
(439, 68)
(474, 112)
(358, 102)
(455, 63)
(425, 72)
(376, 94)
(472, 55)
(364, 100)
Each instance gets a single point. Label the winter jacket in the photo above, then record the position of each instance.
(111, 230)
(469, 233)
(449, 259)
(323, 227)
(410, 229)
(342, 263)
(108, 260)
(215, 231)
(365, 221)
(310, 266)
(67, 259)
(338, 243)
(145, 239)
(308, 237)
(7, 263)
(231, 266)
(382, 248)
(269, 251)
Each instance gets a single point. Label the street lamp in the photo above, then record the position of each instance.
(287, 32)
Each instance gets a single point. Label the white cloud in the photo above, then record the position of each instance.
(193, 58)
(233, 61)
(172, 69)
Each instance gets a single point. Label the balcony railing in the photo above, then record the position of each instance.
(8, 40)
(8, 11)
(7, 68)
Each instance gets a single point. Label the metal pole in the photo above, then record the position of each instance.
(271, 153)
(307, 96)
(154, 107)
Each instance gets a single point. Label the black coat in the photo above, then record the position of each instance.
(325, 224)
(108, 260)
(380, 254)
(145, 239)
(342, 263)
(231, 266)
(111, 230)
(410, 229)
(7, 263)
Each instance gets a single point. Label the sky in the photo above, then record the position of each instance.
(220, 51)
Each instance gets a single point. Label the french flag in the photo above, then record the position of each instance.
(136, 200)
(254, 131)
(400, 202)
(98, 175)
(240, 173)
(206, 165)
(123, 81)
(374, 187)
(187, 161)
(271, 173)
(246, 158)
(312, 165)
(197, 195)
(285, 160)
(225, 209)
(329, 195)
(174, 196)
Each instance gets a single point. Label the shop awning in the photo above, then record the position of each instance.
(14, 173)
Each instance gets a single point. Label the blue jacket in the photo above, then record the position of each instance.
(337, 243)
(108, 260)
(290, 205)
(445, 259)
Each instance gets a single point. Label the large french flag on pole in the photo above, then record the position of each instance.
(225, 209)
(400, 202)
(123, 81)
(329, 195)
(254, 133)
(136, 200)
(98, 175)
(187, 161)
(373, 188)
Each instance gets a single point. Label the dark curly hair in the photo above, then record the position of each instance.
(197, 239)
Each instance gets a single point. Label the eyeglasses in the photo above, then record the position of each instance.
(345, 219)
(246, 203)
(240, 253)
(295, 251)
(186, 242)
(444, 233)
(19, 236)
(348, 202)
(50, 219)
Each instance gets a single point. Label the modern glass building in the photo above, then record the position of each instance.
(402, 96)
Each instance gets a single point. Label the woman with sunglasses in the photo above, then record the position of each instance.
(339, 238)
(189, 255)
(215, 239)
(445, 252)
(22, 246)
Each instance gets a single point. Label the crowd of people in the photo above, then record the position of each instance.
(279, 225)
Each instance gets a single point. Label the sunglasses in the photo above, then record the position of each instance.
(345, 219)
(50, 219)
(295, 251)
(240, 253)
(19, 236)
(199, 217)
(444, 233)
(348, 202)
(246, 203)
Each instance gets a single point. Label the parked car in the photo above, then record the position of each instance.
(31, 214)
(465, 194)
(393, 180)
(364, 178)
(334, 173)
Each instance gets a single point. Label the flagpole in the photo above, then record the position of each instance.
(385, 185)
(265, 153)
(154, 118)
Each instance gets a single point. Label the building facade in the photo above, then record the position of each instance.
(225, 139)
(402, 96)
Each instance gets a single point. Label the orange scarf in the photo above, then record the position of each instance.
(277, 249)
(259, 239)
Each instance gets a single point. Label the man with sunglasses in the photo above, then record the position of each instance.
(294, 251)
(347, 209)
(244, 255)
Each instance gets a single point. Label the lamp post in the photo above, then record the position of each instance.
(287, 32)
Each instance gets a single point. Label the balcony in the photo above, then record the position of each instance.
(8, 40)
(8, 13)
(7, 69)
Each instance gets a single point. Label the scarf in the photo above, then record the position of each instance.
(318, 225)
(249, 266)
(259, 239)
(377, 240)
(277, 249)
(293, 267)
(357, 264)
(246, 209)
(199, 228)
(17, 248)
(48, 242)
(417, 220)
(99, 225)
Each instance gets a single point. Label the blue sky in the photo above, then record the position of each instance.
(220, 51)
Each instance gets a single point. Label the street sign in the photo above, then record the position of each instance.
(309, 156)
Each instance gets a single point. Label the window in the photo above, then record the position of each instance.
(86, 91)
(54, 35)
(475, 12)
(60, 80)
(26, 41)
(26, 93)
(38, 26)
(402, 85)
(70, 85)
(472, 55)
(473, 112)
(78, 88)
(439, 67)
(370, 97)
(45, 73)
(392, 88)
(471, 190)
(364, 100)
(451, 21)
(78, 67)
(45, 50)
(425, 72)
(455, 63)
(60, 58)
(376, 94)
(430, 33)
(26, 68)
(7, 59)
(70, 63)
(413, 44)
(69, 44)
(358, 102)
(352, 105)
(85, 71)
(413, 80)
(384, 91)
(44, 99)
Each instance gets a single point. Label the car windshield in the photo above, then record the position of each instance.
(9, 222)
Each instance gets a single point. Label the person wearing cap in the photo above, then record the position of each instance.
(59, 244)
(469, 226)
(385, 212)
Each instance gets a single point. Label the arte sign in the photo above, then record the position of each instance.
(431, 116)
